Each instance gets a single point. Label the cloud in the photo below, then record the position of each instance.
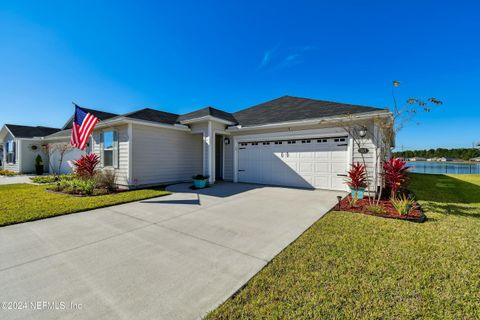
(290, 60)
(275, 60)
(267, 56)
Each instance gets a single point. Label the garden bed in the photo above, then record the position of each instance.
(362, 206)
(96, 192)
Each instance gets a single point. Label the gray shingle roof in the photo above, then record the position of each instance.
(99, 114)
(60, 134)
(153, 115)
(30, 132)
(290, 108)
(208, 111)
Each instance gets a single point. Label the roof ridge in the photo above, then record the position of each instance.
(147, 108)
(95, 110)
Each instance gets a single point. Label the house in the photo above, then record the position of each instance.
(288, 141)
(445, 159)
(21, 145)
(477, 159)
(417, 159)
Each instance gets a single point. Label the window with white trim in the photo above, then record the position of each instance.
(110, 148)
(10, 151)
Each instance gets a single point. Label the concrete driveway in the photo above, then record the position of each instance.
(174, 257)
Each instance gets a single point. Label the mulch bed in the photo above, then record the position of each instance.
(415, 215)
(83, 195)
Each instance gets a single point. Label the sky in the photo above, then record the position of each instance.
(179, 56)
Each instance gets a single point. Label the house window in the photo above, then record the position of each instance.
(10, 151)
(110, 149)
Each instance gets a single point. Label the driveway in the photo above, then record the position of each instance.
(174, 257)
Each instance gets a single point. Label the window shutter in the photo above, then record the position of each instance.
(115, 149)
(101, 149)
(14, 152)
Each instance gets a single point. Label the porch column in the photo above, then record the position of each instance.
(209, 156)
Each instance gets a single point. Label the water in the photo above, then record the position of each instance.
(444, 167)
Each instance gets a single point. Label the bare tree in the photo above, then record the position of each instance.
(62, 148)
(381, 133)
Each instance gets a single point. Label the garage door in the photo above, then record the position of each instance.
(306, 163)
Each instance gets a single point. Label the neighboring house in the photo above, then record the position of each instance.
(446, 159)
(417, 159)
(21, 145)
(288, 141)
(477, 159)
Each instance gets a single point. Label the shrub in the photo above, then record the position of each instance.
(402, 204)
(395, 174)
(52, 178)
(38, 161)
(85, 166)
(106, 179)
(357, 176)
(352, 201)
(376, 209)
(77, 186)
(7, 173)
(86, 186)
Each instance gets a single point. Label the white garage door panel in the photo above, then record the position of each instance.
(308, 165)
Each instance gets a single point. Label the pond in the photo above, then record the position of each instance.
(444, 167)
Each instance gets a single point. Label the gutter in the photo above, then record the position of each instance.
(125, 120)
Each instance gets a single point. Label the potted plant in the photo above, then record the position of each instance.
(39, 165)
(200, 181)
(357, 180)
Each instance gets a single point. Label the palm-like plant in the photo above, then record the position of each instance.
(395, 174)
(85, 166)
(357, 176)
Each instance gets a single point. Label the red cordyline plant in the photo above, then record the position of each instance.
(395, 174)
(85, 166)
(357, 176)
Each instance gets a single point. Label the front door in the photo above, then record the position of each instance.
(218, 157)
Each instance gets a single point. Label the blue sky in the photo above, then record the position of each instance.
(179, 56)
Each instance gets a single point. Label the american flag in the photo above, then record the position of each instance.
(83, 124)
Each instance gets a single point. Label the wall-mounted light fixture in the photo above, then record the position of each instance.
(226, 141)
(362, 132)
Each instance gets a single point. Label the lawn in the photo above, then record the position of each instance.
(25, 202)
(350, 265)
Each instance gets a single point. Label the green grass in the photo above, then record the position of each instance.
(24, 202)
(350, 265)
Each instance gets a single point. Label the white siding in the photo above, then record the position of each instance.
(29, 155)
(202, 128)
(123, 147)
(10, 166)
(66, 165)
(164, 155)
